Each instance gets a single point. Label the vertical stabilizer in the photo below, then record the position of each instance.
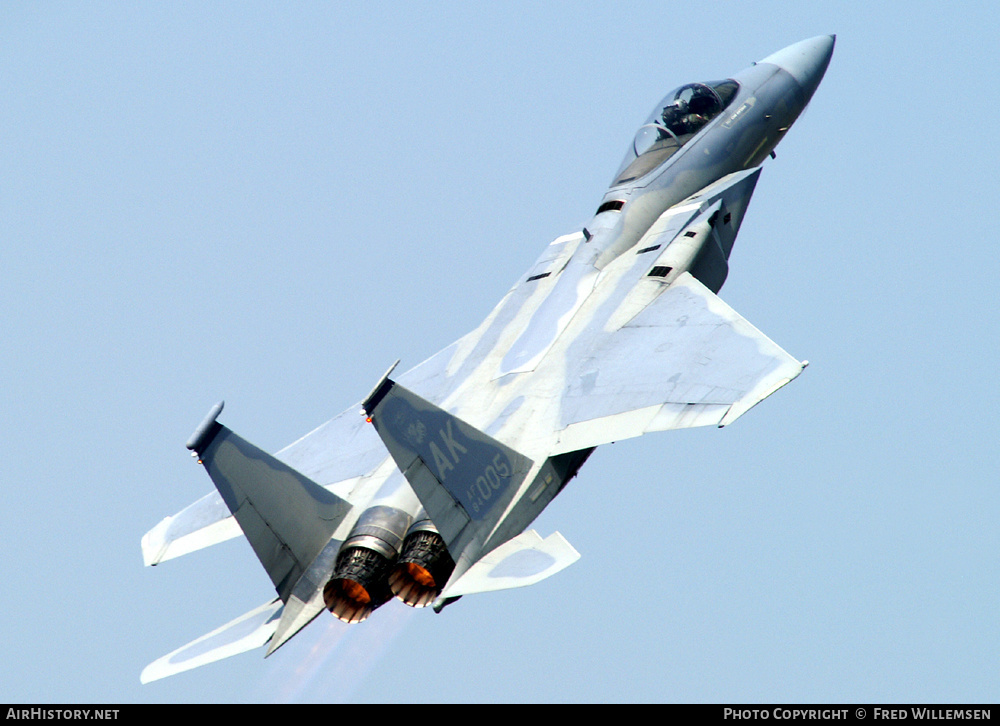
(287, 518)
(464, 478)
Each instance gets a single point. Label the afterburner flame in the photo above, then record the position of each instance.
(422, 569)
(358, 585)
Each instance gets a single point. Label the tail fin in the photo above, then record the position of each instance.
(464, 478)
(287, 518)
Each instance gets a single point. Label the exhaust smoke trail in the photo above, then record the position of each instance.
(329, 668)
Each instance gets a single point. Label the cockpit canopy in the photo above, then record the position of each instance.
(677, 118)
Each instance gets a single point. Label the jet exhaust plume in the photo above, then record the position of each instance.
(338, 661)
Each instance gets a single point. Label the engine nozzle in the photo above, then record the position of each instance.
(422, 569)
(358, 585)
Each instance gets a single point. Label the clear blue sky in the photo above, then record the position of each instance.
(270, 204)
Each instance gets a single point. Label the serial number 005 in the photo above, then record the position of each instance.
(493, 478)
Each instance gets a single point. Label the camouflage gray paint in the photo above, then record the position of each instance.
(615, 331)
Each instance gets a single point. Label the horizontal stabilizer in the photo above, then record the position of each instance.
(519, 562)
(248, 631)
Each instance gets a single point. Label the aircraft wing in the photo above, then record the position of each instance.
(333, 455)
(686, 359)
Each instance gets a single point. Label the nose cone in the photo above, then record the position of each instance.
(806, 61)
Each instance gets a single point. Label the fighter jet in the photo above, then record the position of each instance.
(425, 490)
